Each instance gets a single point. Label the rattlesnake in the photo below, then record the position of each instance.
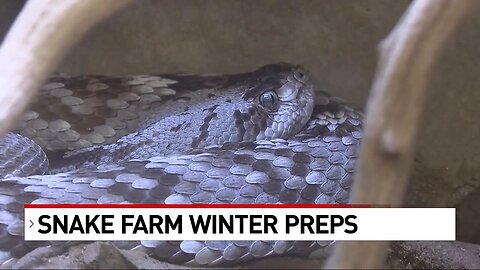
(267, 136)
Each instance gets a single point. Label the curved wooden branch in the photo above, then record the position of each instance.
(41, 35)
(396, 101)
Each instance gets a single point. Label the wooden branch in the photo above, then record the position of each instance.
(40, 37)
(397, 97)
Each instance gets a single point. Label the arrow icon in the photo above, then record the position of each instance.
(31, 223)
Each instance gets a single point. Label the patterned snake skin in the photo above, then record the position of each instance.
(262, 137)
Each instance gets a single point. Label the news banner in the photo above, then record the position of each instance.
(236, 222)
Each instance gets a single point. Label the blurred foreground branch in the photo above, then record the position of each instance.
(396, 102)
(42, 34)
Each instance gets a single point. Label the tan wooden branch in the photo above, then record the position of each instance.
(396, 101)
(40, 37)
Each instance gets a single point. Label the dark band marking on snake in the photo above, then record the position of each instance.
(266, 136)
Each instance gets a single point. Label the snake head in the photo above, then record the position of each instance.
(282, 96)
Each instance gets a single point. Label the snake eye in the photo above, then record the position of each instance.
(268, 99)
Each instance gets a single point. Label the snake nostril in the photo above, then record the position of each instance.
(300, 75)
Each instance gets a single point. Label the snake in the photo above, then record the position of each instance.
(268, 136)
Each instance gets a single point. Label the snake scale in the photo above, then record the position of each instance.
(263, 137)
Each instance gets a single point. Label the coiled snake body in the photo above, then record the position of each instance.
(262, 137)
